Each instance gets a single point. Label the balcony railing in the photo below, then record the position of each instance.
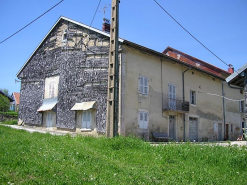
(171, 104)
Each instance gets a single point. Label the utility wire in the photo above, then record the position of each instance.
(31, 22)
(221, 96)
(95, 13)
(190, 33)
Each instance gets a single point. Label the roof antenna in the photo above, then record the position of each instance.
(104, 10)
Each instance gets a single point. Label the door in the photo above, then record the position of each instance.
(172, 127)
(193, 129)
(227, 131)
(172, 97)
(49, 119)
(220, 132)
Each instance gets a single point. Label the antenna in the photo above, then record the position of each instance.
(104, 9)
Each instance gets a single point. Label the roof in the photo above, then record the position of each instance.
(212, 72)
(48, 104)
(237, 78)
(196, 62)
(10, 99)
(16, 96)
(84, 106)
(66, 19)
(204, 67)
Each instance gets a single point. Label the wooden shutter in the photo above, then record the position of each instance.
(141, 85)
(145, 86)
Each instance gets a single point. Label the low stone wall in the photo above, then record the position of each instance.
(4, 117)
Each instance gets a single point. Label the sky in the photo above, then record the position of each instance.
(220, 25)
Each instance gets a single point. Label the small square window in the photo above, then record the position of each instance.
(193, 97)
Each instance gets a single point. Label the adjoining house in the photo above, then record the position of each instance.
(238, 80)
(14, 105)
(64, 86)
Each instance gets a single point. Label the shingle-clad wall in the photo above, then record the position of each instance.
(81, 62)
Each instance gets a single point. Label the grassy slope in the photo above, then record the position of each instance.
(36, 158)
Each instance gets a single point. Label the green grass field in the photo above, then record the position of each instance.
(34, 158)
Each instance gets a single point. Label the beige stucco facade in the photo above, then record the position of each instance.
(207, 117)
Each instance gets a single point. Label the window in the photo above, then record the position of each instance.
(172, 97)
(231, 128)
(86, 119)
(143, 85)
(51, 87)
(193, 97)
(143, 119)
(241, 106)
(65, 35)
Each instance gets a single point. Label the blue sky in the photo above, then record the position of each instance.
(220, 25)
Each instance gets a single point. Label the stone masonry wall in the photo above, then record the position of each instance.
(81, 61)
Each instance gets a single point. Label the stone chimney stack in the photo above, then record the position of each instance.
(106, 25)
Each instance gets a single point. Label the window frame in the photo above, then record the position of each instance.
(192, 97)
(143, 118)
(143, 85)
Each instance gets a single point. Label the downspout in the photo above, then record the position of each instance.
(184, 98)
(224, 111)
(162, 89)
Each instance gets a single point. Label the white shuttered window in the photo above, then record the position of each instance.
(143, 85)
(143, 119)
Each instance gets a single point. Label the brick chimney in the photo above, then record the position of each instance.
(106, 25)
(231, 69)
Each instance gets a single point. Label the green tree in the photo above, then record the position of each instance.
(4, 103)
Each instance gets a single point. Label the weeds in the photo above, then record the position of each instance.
(34, 158)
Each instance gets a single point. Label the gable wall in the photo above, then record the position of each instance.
(81, 63)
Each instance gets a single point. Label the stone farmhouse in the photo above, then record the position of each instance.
(64, 86)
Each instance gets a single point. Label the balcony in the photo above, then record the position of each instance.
(177, 105)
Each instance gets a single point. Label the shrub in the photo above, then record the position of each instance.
(4, 103)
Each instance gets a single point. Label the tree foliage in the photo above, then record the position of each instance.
(4, 103)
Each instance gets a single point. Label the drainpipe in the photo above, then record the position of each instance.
(224, 111)
(184, 98)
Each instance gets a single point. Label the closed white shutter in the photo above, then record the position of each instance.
(145, 123)
(141, 120)
(141, 85)
(145, 85)
(172, 97)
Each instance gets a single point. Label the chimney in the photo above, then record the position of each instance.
(106, 25)
(230, 69)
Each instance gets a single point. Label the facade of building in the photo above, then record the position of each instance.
(64, 86)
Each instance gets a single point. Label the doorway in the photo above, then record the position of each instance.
(193, 129)
(172, 126)
(227, 132)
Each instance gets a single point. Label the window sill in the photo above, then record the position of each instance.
(86, 129)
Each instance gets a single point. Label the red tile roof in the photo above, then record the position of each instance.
(196, 62)
(16, 97)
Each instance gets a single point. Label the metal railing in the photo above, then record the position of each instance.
(175, 104)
